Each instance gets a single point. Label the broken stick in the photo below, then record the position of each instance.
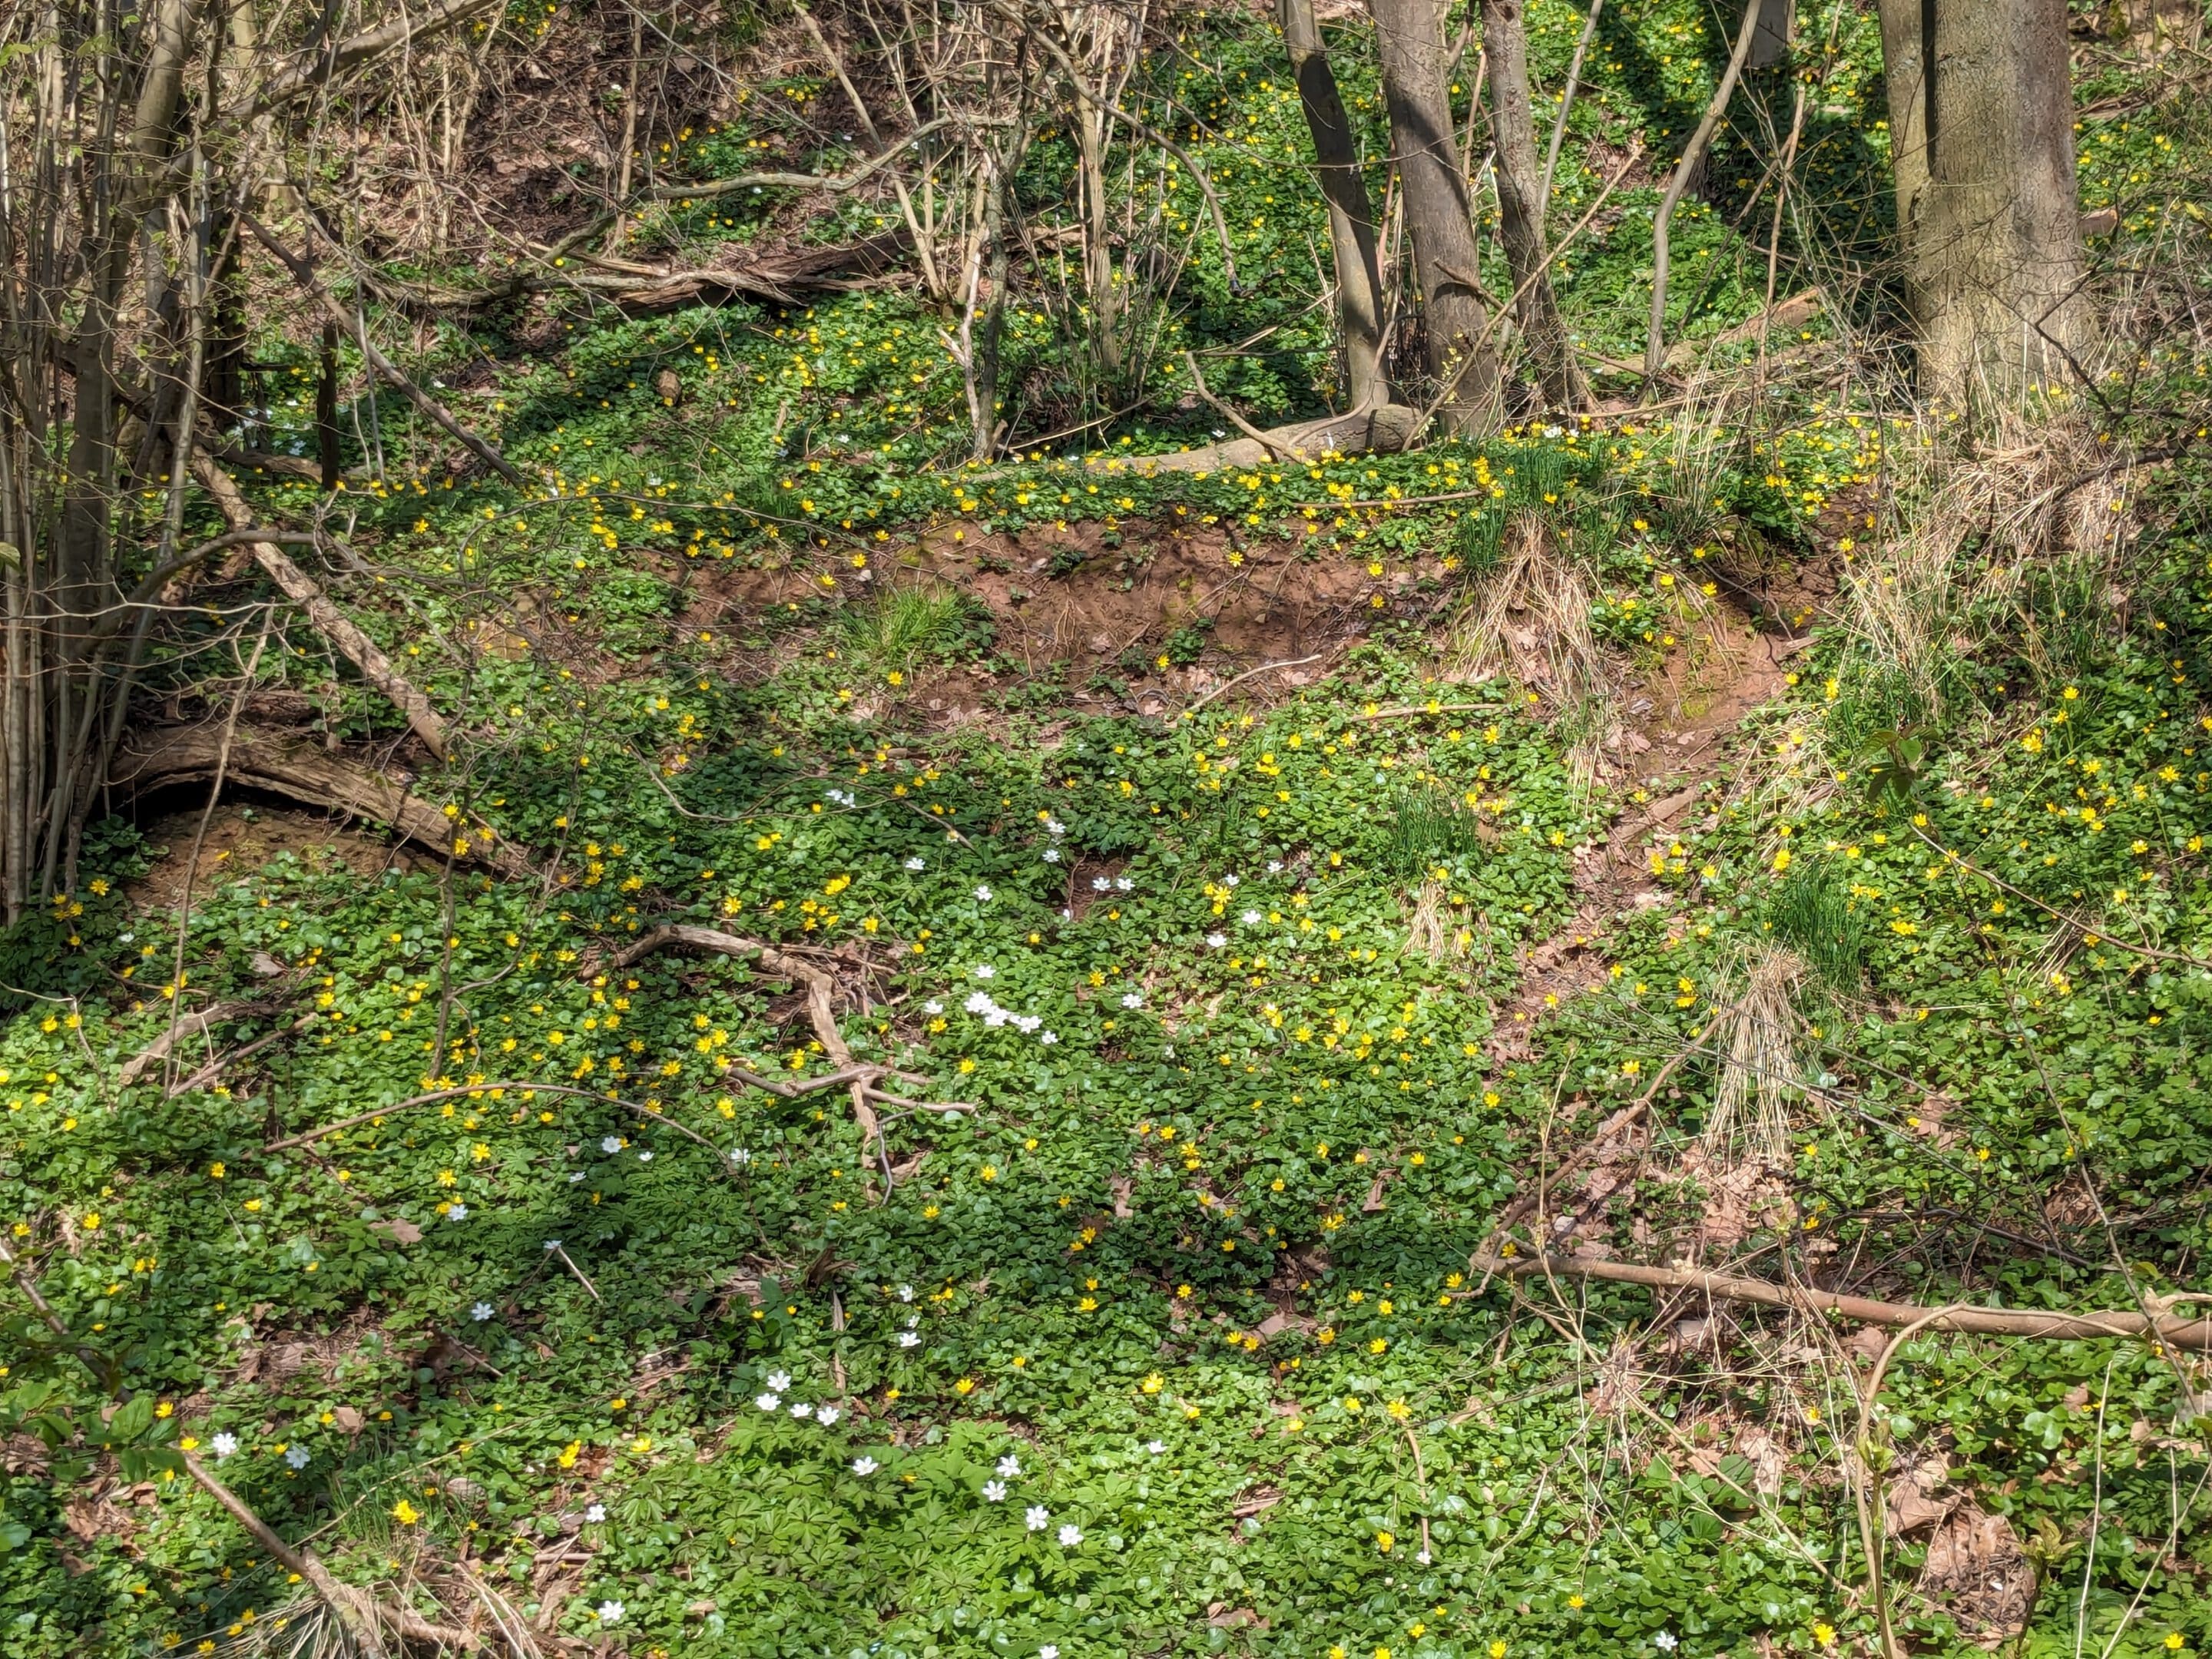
(2195, 1333)
(332, 624)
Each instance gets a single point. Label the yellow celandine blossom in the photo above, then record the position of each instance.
(1825, 1634)
(1385, 1542)
(405, 1513)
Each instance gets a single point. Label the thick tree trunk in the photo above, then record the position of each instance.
(1351, 215)
(1521, 207)
(1982, 145)
(1410, 42)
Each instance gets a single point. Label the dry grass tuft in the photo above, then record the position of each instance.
(1529, 619)
(1757, 1032)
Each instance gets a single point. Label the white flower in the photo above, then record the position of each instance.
(984, 894)
(1124, 884)
(1049, 1037)
(1038, 1517)
(1274, 867)
(1009, 1467)
(800, 1409)
(645, 1158)
(1156, 1447)
(909, 1339)
(482, 1311)
(1054, 827)
(1052, 855)
(552, 1244)
(1132, 1000)
(913, 864)
(905, 1292)
(611, 1144)
(1250, 918)
(224, 1444)
(1217, 940)
(1665, 1641)
(576, 1177)
(864, 1466)
(932, 1006)
(984, 970)
(298, 1457)
(597, 1513)
(1099, 883)
(995, 1491)
(979, 1002)
(778, 1380)
(825, 1415)
(768, 1403)
(459, 1213)
(610, 1613)
(1070, 1536)
(1230, 881)
(741, 1157)
(1047, 1651)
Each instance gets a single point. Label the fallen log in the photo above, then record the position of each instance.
(1383, 431)
(153, 757)
(2172, 1330)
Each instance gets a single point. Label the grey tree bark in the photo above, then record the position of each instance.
(1350, 214)
(1981, 129)
(1520, 207)
(1409, 36)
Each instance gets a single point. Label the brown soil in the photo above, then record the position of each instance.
(1077, 602)
(241, 839)
(1685, 715)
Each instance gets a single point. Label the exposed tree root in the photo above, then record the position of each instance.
(819, 1013)
(2176, 1332)
(153, 757)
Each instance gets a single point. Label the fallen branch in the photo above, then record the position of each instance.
(524, 1087)
(2177, 1332)
(1252, 673)
(819, 1012)
(153, 757)
(367, 1619)
(183, 1029)
(1382, 431)
(332, 624)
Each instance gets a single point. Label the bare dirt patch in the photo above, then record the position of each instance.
(242, 839)
(1142, 617)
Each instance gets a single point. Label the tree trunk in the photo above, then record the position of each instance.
(1770, 41)
(1521, 207)
(1409, 40)
(1982, 145)
(1351, 215)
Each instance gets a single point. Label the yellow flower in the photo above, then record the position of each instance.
(1825, 1634)
(405, 1513)
(1385, 1542)
(92, 1222)
(1153, 1383)
(1498, 1650)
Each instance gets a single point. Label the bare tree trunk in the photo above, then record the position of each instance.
(1410, 42)
(1521, 207)
(1350, 214)
(1981, 116)
(1770, 41)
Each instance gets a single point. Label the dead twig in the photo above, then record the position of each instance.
(2172, 1331)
